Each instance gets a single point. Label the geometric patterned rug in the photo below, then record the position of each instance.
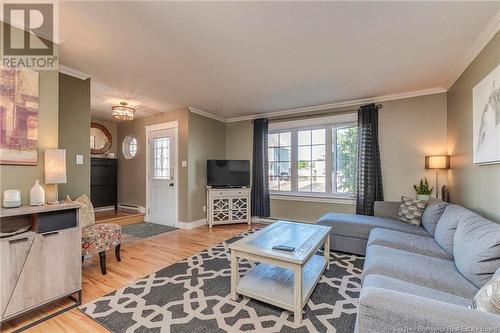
(192, 296)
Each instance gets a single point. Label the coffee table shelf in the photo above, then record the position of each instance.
(274, 285)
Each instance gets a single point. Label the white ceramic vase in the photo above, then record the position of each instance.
(37, 194)
(423, 197)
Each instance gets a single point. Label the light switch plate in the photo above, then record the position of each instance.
(184, 164)
(79, 159)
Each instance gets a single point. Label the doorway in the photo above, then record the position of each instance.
(161, 174)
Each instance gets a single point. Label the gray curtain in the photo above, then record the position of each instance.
(369, 188)
(260, 180)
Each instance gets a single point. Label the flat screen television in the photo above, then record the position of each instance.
(228, 173)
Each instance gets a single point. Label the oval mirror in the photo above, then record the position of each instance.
(100, 139)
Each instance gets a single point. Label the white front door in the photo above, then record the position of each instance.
(162, 185)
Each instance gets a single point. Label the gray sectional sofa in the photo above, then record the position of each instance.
(420, 278)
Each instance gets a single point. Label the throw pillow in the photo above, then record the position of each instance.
(432, 213)
(447, 225)
(488, 297)
(87, 215)
(411, 210)
(476, 249)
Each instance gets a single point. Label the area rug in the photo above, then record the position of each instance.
(139, 231)
(193, 296)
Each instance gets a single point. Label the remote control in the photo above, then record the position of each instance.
(283, 248)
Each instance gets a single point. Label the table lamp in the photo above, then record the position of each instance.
(55, 169)
(437, 162)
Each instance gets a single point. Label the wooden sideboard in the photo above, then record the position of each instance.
(41, 265)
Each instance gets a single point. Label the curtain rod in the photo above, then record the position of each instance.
(317, 114)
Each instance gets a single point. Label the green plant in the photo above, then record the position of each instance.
(423, 187)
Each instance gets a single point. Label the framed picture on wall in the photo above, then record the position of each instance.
(18, 116)
(486, 119)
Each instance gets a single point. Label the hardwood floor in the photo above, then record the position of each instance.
(122, 217)
(138, 260)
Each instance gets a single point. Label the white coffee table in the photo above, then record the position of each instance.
(283, 279)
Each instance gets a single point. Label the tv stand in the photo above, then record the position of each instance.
(228, 205)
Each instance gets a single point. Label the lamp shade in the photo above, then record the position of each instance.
(55, 166)
(437, 162)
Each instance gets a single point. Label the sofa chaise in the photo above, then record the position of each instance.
(420, 278)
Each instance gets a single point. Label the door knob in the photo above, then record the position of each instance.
(171, 184)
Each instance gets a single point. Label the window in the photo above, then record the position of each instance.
(314, 160)
(129, 147)
(161, 156)
(280, 159)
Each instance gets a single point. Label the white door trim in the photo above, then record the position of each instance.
(158, 127)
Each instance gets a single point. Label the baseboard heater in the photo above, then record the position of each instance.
(136, 208)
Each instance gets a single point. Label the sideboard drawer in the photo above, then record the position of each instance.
(238, 192)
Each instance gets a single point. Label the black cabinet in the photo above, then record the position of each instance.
(103, 182)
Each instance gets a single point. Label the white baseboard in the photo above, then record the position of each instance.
(136, 208)
(102, 209)
(191, 225)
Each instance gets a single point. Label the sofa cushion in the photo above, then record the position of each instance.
(488, 297)
(359, 226)
(477, 249)
(411, 210)
(385, 282)
(432, 214)
(434, 273)
(407, 242)
(447, 225)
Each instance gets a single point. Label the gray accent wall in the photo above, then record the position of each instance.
(474, 186)
(74, 134)
(206, 140)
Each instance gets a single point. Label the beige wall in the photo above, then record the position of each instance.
(132, 173)
(23, 177)
(74, 129)
(112, 128)
(206, 140)
(474, 186)
(409, 129)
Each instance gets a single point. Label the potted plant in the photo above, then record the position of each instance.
(423, 190)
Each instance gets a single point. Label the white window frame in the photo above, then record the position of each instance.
(329, 124)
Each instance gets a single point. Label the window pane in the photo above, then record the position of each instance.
(304, 153)
(318, 137)
(279, 159)
(304, 138)
(285, 184)
(285, 139)
(304, 184)
(318, 184)
(318, 169)
(318, 153)
(272, 140)
(161, 155)
(346, 159)
(304, 168)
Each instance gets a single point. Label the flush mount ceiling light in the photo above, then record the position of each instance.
(123, 112)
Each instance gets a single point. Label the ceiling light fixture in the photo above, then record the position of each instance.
(123, 112)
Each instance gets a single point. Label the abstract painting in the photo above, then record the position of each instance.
(486, 119)
(18, 116)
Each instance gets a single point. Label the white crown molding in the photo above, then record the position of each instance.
(479, 44)
(207, 114)
(376, 99)
(74, 72)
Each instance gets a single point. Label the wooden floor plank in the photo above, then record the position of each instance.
(138, 260)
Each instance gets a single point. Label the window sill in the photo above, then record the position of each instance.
(343, 200)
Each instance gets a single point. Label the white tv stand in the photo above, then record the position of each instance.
(228, 205)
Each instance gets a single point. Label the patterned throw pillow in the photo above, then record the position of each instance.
(488, 297)
(411, 210)
(87, 215)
